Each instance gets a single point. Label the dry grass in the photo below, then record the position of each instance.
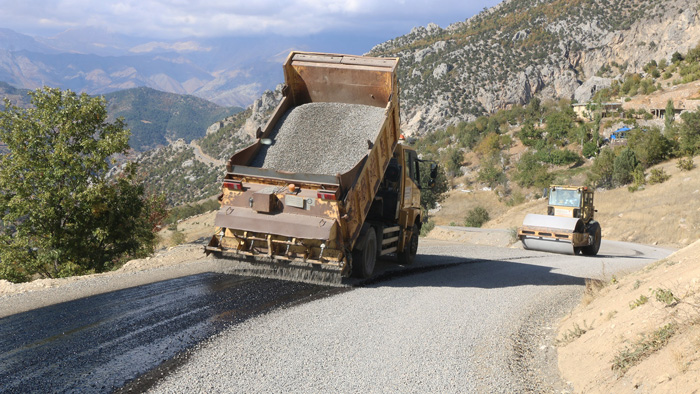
(666, 214)
(592, 290)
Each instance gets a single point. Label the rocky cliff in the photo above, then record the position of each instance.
(524, 48)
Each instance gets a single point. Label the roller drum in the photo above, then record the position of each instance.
(550, 233)
(549, 245)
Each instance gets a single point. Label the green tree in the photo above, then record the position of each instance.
(59, 214)
(492, 172)
(689, 133)
(650, 146)
(454, 162)
(669, 114)
(559, 125)
(623, 167)
(601, 174)
(529, 135)
(530, 172)
(431, 196)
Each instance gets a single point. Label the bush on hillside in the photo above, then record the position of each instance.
(530, 172)
(623, 167)
(658, 175)
(685, 164)
(476, 217)
(557, 157)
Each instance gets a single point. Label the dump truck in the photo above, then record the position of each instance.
(569, 226)
(326, 188)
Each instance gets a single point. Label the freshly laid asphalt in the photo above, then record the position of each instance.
(465, 318)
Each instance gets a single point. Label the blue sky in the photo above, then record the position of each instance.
(177, 19)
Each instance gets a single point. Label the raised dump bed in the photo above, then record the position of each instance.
(301, 194)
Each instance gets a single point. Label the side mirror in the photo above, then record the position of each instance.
(433, 171)
(433, 175)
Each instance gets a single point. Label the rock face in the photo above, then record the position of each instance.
(520, 49)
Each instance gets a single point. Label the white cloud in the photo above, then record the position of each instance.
(173, 19)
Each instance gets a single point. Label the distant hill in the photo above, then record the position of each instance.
(155, 117)
(17, 96)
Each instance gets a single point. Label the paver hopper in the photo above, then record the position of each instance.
(568, 227)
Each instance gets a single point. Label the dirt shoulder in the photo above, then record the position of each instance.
(638, 333)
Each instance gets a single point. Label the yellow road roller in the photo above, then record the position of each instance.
(568, 227)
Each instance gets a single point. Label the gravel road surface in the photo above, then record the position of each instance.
(485, 322)
(465, 318)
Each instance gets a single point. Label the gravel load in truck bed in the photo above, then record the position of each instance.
(321, 138)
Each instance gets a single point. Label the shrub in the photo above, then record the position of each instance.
(476, 217)
(685, 164)
(557, 156)
(658, 175)
(427, 227)
(643, 348)
(530, 172)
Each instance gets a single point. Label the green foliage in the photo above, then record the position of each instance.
(689, 133)
(669, 114)
(454, 162)
(685, 164)
(530, 172)
(59, 215)
(427, 227)
(492, 173)
(676, 57)
(666, 296)
(589, 149)
(556, 156)
(639, 301)
(658, 175)
(623, 167)
(640, 350)
(431, 196)
(529, 134)
(573, 334)
(559, 126)
(476, 217)
(650, 146)
(601, 174)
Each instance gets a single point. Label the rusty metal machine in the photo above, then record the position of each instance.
(320, 227)
(568, 227)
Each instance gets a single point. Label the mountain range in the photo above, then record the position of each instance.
(500, 58)
(155, 118)
(226, 71)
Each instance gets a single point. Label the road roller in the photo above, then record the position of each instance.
(568, 227)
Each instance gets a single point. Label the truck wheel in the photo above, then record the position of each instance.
(364, 256)
(408, 255)
(592, 250)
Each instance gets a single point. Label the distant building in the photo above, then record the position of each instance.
(585, 111)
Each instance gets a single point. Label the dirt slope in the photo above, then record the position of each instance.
(609, 325)
(665, 214)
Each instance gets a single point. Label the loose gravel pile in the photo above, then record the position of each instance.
(321, 138)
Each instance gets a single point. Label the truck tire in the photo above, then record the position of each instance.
(364, 256)
(592, 250)
(408, 255)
